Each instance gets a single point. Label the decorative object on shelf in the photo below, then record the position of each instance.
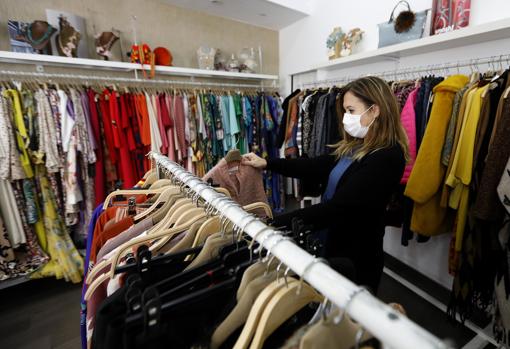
(143, 55)
(104, 43)
(163, 56)
(220, 61)
(17, 30)
(333, 43)
(31, 38)
(70, 41)
(248, 60)
(205, 55)
(448, 15)
(350, 40)
(407, 26)
(233, 64)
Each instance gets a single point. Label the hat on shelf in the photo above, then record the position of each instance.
(163, 56)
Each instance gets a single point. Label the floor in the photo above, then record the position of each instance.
(40, 314)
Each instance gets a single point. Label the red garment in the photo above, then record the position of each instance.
(127, 173)
(107, 214)
(143, 121)
(165, 114)
(99, 178)
(126, 125)
(133, 119)
(107, 125)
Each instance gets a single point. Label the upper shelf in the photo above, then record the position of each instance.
(461, 37)
(85, 63)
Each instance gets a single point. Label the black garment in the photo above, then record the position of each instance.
(332, 130)
(355, 214)
(280, 137)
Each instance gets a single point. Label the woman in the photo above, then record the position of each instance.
(359, 177)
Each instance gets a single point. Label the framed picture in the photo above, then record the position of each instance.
(17, 32)
(448, 15)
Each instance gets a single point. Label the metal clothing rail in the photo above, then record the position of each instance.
(111, 79)
(446, 67)
(392, 328)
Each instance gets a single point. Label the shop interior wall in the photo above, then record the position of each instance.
(303, 45)
(158, 24)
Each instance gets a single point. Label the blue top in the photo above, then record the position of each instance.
(334, 177)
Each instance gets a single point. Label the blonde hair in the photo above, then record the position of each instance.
(385, 131)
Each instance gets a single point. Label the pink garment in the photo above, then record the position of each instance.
(408, 119)
(179, 126)
(244, 183)
(159, 115)
(170, 130)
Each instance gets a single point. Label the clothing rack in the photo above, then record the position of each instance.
(395, 330)
(110, 79)
(446, 67)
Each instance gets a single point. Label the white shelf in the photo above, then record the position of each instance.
(462, 37)
(85, 63)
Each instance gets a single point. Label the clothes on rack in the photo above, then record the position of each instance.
(197, 284)
(453, 184)
(34, 176)
(90, 141)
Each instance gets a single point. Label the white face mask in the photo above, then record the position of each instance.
(352, 124)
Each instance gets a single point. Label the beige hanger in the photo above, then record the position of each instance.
(163, 197)
(256, 312)
(158, 227)
(129, 245)
(130, 192)
(160, 183)
(185, 216)
(506, 93)
(151, 178)
(259, 205)
(285, 303)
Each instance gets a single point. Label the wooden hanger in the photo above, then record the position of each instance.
(151, 178)
(163, 197)
(285, 303)
(131, 244)
(256, 311)
(184, 214)
(158, 226)
(130, 192)
(212, 225)
(233, 155)
(164, 182)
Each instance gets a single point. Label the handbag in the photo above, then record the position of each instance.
(387, 34)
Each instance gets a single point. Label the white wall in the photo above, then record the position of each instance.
(303, 46)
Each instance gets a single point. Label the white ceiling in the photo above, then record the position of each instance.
(272, 14)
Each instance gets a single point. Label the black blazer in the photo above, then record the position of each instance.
(355, 214)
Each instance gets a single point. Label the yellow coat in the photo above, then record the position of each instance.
(427, 176)
(459, 178)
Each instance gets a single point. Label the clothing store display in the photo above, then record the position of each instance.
(208, 182)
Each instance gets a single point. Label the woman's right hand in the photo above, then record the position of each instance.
(254, 160)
